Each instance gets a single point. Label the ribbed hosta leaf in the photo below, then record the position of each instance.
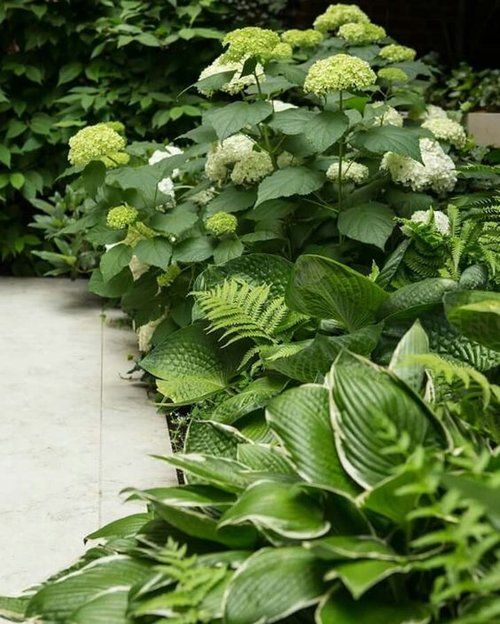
(273, 583)
(340, 547)
(314, 359)
(284, 508)
(377, 419)
(360, 576)
(107, 608)
(327, 289)
(301, 418)
(341, 608)
(476, 314)
(264, 458)
(205, 437)
(190, 364)
(411, 301)
(57, 601)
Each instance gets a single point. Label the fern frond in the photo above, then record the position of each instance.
(243, 311)
(478, 170)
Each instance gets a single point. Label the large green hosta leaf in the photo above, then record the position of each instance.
(378, 420)
(301, 418)
(360, 576)
(284, 508)
(110, 607)
(190, 364)
(59, 600)
(274, 583)
(327, 289)
(476, 314)
(210, 438)
(411, 301)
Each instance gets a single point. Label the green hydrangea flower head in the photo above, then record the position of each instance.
(221, 223)
(167, 277)
(98, 142)
(282, 52)
(393, 74)
(252, 168)
(308, 38)
(361, 33)
(121, 216)
(250, 41)
(338, 73)
(338, 14)
(397, 53)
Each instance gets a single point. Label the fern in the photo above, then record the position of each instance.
(244, 311)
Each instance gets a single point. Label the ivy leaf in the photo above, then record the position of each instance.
(155, 251)
(114, 260)
(370, 223)
(227, 120)
(289, 181)
(382, 139)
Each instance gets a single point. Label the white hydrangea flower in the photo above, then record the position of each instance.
(203, 197)
(252, 168)
(279, 106)
(145, 334)
(166, 186)
(237, 82)
(437, 218)
(351, 172)
(285, 159)
(434, 112)
(390, 116)
(447, 130)
(159, 155)
(230, 151)
(437, 171)
(137, 268)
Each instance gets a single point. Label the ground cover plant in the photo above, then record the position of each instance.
(312, 272)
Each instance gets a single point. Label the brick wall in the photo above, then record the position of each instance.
(457, 29)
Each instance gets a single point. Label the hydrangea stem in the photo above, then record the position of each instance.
(341, 156)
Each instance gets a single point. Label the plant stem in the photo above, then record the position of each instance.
(341, 157)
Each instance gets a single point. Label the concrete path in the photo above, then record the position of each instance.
(73, 432)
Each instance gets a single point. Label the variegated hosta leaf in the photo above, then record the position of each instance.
(309, 360)
(272, 584)
(190, 365)
(58, 601)
(476, 314)
(360, 576)
(414, 342)
(287, 509)
(212, 439)
(340, 547)
(341, 608)
(327, 289)
(265, 459)
(301, 419)
(377, 419)
(109, 607)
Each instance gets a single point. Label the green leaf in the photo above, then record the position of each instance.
(229, 119)
(327, 289)
(13, 609)
(301, 419)
(382, 139)
(289, 181)
(124, 527)
(412, 300)
(109, 607)
(265, 459)
(220, 472)
(284, 508)
(414, 342)
(114, 260)
(204, 436)
(190, 364)
(5, 155)
(273, 583)
(115, 287)
(360, 576)
(231, 199)
(476, 314)
(370, 223)
(215, 82)
(69, 72)
(324, 129)
(228, 249)
(371, 448)
(154, 251)
(17, 180)
(340, 547)
(196, 249)
(291, 121)
(176, 221)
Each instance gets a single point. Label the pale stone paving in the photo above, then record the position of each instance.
(73, 432)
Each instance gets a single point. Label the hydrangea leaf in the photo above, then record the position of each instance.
(370, 223)
(382, 139)
(229, 119)
(289, 181)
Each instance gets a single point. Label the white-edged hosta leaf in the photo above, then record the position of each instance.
(377, 419)
(190, 364)
(124, 527)
(476, 314)
(301, 419)
(198, 495)
(284, 508)
(360, 576)
(327, 289)
(289, 181)
(13, 609)
(340, 547)
(409, 302)
(265, 459)
(274, 583)
(109, 607)
(414, 342)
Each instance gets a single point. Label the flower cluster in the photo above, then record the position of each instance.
(389, 116)
(167, 151)
(252, 169)
(98, 142)
(436, 218)
(166, 186)
(203, 197)
(166, 278)
(251, 41)
(338, 14)
(393, 74)
(337, 73)
(308, 38)
(361, 33)
(145, 334)
(434, 112)
(221, 224)
(447, 130)
(282, 52)
(397, 53)
(351, 172)
(437, 171)
(229, 152)
(121, 216)
(236, 83)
